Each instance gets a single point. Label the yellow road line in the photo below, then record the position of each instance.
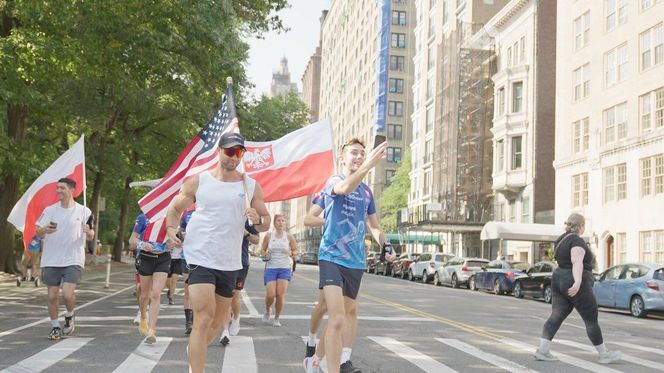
(455, 324)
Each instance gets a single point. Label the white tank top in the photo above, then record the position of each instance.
(215, 232)
(279, 251)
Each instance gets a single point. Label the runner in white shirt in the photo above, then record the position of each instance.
(64, 226)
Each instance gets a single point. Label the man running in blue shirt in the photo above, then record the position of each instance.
(349, 208)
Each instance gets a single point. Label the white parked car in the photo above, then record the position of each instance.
(427, 265)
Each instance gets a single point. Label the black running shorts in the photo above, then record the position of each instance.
(149, 264)
(241, 276)
(335, 275)
(223, 281)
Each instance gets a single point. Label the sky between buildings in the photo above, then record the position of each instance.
(297, 45)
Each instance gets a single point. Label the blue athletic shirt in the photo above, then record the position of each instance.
(140, 226)
(345, 224)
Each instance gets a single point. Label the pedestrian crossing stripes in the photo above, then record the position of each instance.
(411, 356)
(51, 355)
(144, 357)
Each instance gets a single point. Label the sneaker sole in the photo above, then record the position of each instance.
(70, 331)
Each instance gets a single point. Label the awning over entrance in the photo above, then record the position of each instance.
(496, 230)
(423, 238)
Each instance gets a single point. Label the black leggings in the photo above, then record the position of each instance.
(561, 305)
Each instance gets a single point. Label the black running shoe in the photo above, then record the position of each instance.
(348, 367)
(187, 328)
(224, 341)
(56, 333)
(311, 350)
(69, 325)
(170, 301)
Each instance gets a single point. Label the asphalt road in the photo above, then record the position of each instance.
(404, 327)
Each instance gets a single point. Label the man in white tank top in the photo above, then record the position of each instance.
(213, 248)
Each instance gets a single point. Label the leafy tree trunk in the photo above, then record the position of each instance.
(122, 225)
(17, 125)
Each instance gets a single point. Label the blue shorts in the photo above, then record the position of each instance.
(274, 274)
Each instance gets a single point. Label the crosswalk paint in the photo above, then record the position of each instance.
(247, 302)
(579, 363)
(44, 359)
(625, 357)
(489, 358)
(422, 361)
(145, 357)
(239, 356)
(640, 348)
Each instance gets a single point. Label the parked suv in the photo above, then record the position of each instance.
(536, 282)
(427, 265)
(457, 271)
(402, 264)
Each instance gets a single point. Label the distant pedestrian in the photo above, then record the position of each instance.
(250, 236)
(280, 247)
(572, 288)
(64, 227)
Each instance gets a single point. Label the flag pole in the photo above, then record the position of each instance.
(229, 82)
(85, 189)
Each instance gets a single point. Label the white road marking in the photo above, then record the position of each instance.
(46, 319)
(247, 302)
(249, 316)
(489, 358)
(625, 357)
(145, 357)
(420, 360)
(239, 356)
(46, 358)
(641, 348)
(579, 363)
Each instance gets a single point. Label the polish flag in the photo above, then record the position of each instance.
(295, 165)
(42, 193)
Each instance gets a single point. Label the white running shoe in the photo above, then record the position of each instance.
(137, 319)
(610, 357)
(311, 364)
(266, 317)
(234, 327)
(544, 356)
(276, 323)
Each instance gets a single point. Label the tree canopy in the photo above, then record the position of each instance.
(395, 197)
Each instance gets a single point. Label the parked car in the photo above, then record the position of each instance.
(385, 268)
(457, 271)
(372, 258)
(536, 282)
(636, 287)
(310, 257)
(402, 264)
(498, 276)
(426, 266)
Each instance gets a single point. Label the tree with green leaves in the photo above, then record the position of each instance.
(395, 197)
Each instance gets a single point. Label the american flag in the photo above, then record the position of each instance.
(201, 154)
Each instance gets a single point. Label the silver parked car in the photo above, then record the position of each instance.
(426, 266)
(457, 271)
(636, 287)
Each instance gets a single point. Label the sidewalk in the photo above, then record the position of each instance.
(97, 265)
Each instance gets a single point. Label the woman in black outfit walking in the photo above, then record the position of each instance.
(572, 288)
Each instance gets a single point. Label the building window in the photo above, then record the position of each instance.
(517, 97)
(652, 47)
(581, 30)
(512, 211)
(427, 183)
(430, 86)
(432, 24)
(581, 135)
(645, 246)
(659, 246)
(501, 101)
(389, 174)
(429, 118)
(509, 57)
(621, 247)
(652, 175)
(500, 155)
(525, 210)
(431, 56)
(398, 18)
(648, 102)
(396, 85)
(428, 151)
(517, 152)
(615, 123)
(615, 65)
(646, 4)
(580, 190)
(394, 155)
(582, 82)
(616, 13)
(522, 48)
(397, 63)
(398, 40)
(615, 183)
(395, 108)
(394, 131)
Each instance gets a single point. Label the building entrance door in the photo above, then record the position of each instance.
(609, 251)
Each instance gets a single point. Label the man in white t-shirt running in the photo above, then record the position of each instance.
(64, 226)
(213, 247)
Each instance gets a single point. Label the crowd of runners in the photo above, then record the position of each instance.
(209, 247)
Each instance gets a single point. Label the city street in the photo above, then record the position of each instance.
(404, 327)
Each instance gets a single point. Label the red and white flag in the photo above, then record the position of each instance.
(295, 165)
(42, 193)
